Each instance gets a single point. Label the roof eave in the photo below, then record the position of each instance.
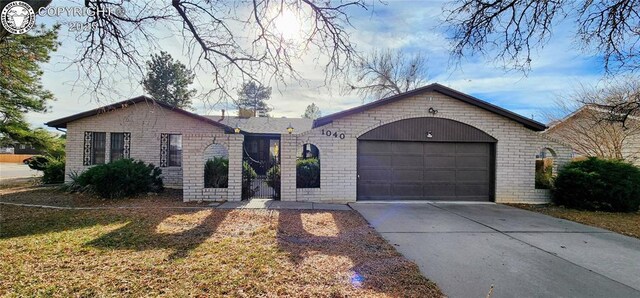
(62, 122)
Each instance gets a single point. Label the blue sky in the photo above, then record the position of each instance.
(413, 26)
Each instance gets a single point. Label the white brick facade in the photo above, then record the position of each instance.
(515, 150)
(146, 122)
(516, 147)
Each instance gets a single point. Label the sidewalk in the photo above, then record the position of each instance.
(279, 205)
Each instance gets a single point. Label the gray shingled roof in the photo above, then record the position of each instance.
(265, 124)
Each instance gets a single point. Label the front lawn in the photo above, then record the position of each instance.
(196, 252)
(623, 223)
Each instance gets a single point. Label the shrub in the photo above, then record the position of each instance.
(248, 174)
(121, 178)
(53, 171)
(273, 179)
(38, 162)
(544, 175)
(598, 184)
(308, 173)
(216, 173)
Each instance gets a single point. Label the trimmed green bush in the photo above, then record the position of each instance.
(53, 171)
(544, 175)
(38, 162)
(121, 178)
(273, 179)
(598, 184)
(308, 173)
(248, 174)
(216, 173)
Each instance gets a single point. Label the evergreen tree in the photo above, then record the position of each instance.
(312, 112)
(168, 81)
(21, 89)
(253, 96)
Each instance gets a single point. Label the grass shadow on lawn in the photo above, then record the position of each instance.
(177, 230)
(14, 223)
(346, 237)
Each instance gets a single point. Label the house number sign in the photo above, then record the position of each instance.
(330, 133)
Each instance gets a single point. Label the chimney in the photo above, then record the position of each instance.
(222, 116)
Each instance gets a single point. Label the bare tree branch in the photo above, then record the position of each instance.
(235, 41)
(510, 30)
(386, 73)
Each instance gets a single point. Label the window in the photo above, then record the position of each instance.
(98, 142)
(175, 150)
(120, 145)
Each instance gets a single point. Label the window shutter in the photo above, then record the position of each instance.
(127, 145)
(86, 155)
(164, 149)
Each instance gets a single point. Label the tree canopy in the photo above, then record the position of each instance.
(312, 112)
(253, 96)
(21, 89)
(168, 81)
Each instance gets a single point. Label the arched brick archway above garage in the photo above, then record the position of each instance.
(426, 158)
(432, 129)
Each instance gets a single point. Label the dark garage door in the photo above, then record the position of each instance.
(397, 170)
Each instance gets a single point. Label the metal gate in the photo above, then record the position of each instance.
(261, 167)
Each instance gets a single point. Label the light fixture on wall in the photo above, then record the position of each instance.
(433, 111)
(237, 129)
(290, 129)
(429, 135)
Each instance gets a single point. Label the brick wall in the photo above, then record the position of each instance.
(195, 145)
(145, 122)
(515, 150)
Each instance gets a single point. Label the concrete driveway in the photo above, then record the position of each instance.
(467, 248)
(16, 170)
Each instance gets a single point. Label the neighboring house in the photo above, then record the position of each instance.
(6, 150)
(431, 143)
(20, 149)
(589, 134)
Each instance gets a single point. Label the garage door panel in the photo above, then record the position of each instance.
(439, 149)
(472, 162)
(375, 161)
(373, 175)
(375, 189)
(407, 175)
(374, 147)
(407, 147)
(440, 176)
(439, 161)
(407, 161)
(399, 170)
(478, 176)
(432, 190)
(413, 189)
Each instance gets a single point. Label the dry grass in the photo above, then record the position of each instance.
(199, 252)
(53, 196)
(623, 223)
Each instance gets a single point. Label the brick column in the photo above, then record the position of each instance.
(288, 167)
(235, 167)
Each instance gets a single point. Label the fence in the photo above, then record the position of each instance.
(14, 158)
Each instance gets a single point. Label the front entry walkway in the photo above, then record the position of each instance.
(468, 248)
(275, 205)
